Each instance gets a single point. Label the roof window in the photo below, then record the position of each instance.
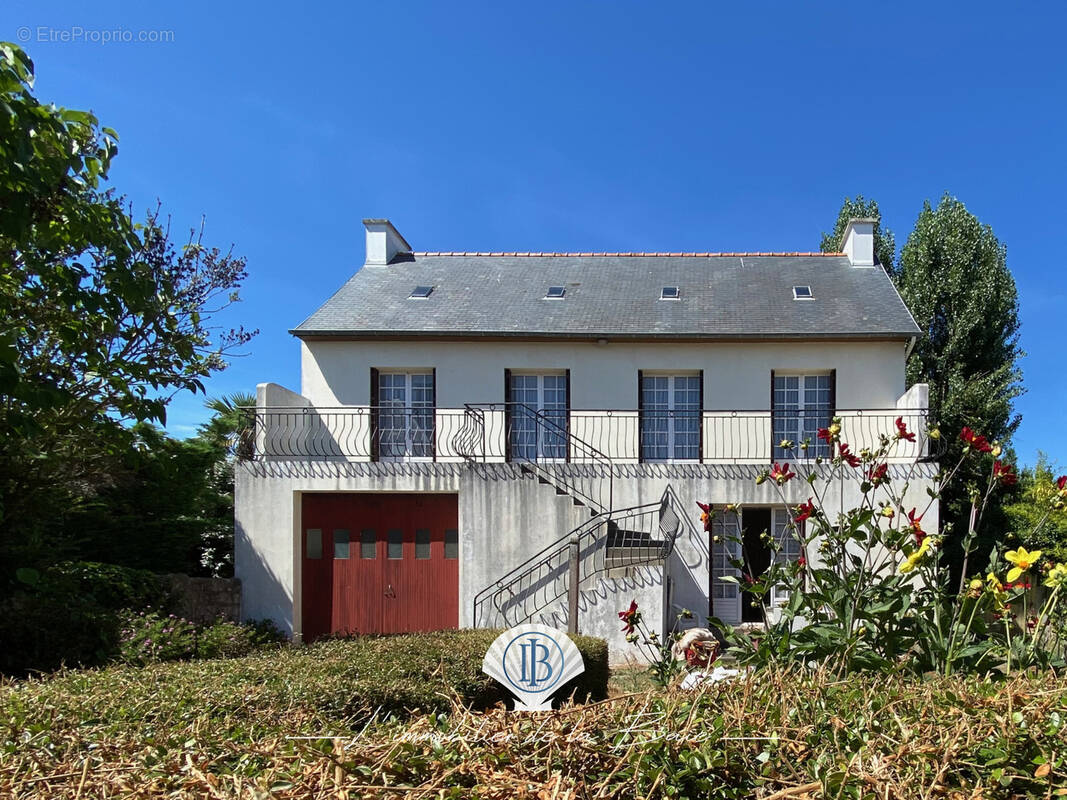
(421, 292)
(802, 293)
(556, 292)
(670, 293)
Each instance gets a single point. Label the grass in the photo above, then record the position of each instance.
(233, 728)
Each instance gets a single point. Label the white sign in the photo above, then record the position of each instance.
(532, 662)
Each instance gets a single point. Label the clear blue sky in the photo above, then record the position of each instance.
(572, 126)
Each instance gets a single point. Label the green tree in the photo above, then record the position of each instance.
(1030, 522)
(102, 320)
(885, 246)
(954, 277)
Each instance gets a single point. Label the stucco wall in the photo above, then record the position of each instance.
(870, 375)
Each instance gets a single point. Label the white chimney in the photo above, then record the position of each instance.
(858, 242)
(384, 242)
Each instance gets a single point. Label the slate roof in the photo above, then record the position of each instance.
(615, 295)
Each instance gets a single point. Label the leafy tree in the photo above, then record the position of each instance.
(1030, 522)
(102, 320)
(885, 245)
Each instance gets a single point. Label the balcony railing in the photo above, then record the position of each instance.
(503, 432)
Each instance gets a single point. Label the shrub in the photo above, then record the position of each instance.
(42, 633)
(149, 636)
(108, 585)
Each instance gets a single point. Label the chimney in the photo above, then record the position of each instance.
(858, 241)
(384, 242)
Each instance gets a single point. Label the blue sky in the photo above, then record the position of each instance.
(571, 126)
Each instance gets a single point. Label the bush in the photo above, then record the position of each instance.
(108, 585)
(149, 636)
(42, 633)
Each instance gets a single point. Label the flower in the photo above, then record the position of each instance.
(781, 473)
(912, 561)
(975, 440)
(902, 431)
(847, 456)
(934, 434)
(630, 617)
(887, 512)
(705, 515)
(702, 653)
(876, 473)
(1003, 473)
(761, 477)
(1022, 559)
(804, 511)
(802, 562)
(916, 528)
(1061, 484)
(976, 587)
(1057, 577)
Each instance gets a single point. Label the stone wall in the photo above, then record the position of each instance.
(206, 599)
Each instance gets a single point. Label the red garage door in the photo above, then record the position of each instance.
(379, 563)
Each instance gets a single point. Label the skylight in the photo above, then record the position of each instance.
(421, 291)
(670, 293)
(556, 292)
(802, 293)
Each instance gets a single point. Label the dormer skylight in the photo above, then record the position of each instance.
(421, 292)
(670, 293)
(555, 292)
(802, 293)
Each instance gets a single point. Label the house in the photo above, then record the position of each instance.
(483, 439)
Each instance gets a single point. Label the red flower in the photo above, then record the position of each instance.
(804, 511)
(902, 431)
(975, 440)
(701, 654)
(824, 434)
(630, 617)
(1004, 474)
(781, 473)
(1061, 482)
(848, 457)
(705, 515)
(802, 562)
(916, 528)
(876, 474)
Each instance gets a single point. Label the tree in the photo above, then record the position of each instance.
(102, 320)
(954, 277)
(1031, 523)
(885, 246)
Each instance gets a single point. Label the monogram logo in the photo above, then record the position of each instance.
(532, 662)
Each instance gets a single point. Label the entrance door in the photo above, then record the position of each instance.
(725, 595)
(757, 557)
(379, 563)
(789, 549)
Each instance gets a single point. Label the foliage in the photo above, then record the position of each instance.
(150, 636)
(869, 591)
(1028, 516)
(42, 632)
(107, 585)
(885, 245)
(237, 727)
(663, 667)
(101, 320)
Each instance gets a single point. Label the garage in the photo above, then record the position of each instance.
(379, 563)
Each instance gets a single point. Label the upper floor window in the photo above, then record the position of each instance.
(537, 416)
(405, 414)
(801, 404)
(670, 412)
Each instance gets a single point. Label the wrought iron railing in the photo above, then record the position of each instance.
(538, 588)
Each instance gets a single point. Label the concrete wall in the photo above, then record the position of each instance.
(870, 375)
(206, 599)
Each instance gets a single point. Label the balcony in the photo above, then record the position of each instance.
(499, 432)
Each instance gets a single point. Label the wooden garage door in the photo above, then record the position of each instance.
(379, 563)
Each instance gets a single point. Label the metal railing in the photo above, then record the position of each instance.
(538, 588)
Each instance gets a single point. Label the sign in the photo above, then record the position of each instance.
(532, 662)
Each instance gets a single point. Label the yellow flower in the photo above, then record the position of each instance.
(1057, 576)
(997, 451)
(934, 434)
(1022, 561)
(887, 512)
(976, 584)
(912, 561)
(834, 429)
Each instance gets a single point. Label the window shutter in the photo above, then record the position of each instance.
(771, 437)
(433, 406)
(374, 402)
(507, 415)
(640, 414)
(567, 387)
(700, 419)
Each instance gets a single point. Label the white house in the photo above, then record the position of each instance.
(482, 439)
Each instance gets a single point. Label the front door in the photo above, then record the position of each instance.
(725, 594)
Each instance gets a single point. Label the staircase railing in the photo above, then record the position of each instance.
(538, 587)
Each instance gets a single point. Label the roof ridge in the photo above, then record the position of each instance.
(497, 254)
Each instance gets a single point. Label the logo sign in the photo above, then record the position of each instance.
(532, 662)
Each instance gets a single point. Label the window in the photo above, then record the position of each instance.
(670, 293)
(802, 293)
(405, 415)
(670, 417)
(396, 543)
(451, 543)
(340, 543)
(421, 292)
(555, 292)
(368, 543)
(537, 427)
(422, 543)
(725, 529)
(314, 543)
(801, 405)
(787, 548)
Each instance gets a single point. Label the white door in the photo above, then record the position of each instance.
(801, 407)
(725, 545)
(405, 415)
(788, 549)
(670, 417)
(539, 417)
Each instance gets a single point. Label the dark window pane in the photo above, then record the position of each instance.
(340, 543)
(314, 543)
(368, 544)
(422, 543)
(451, 543)
(396, 544)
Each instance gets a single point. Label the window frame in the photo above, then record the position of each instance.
(820, 413)
(409, 440)
(670, 415)
(546, 445)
